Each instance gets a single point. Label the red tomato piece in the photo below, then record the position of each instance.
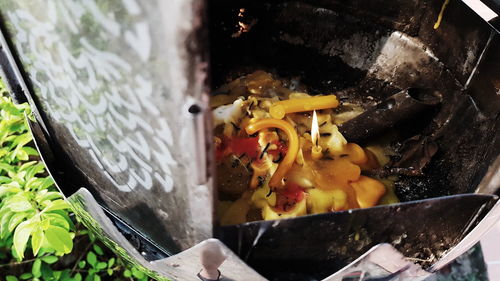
(289, 196)
(248, 146)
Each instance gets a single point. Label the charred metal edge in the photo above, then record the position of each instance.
(148, 249)
(382, 259)
(491, 181)
(479, 61)
(482, 203)
(486, 223)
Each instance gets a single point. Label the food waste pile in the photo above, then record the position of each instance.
(280, 153)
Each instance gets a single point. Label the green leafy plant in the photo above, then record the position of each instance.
(32, 212)
(39, 236)
(93, 264)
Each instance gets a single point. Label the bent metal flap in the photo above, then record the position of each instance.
(119, 88)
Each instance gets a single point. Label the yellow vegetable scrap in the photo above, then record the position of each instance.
(322, 201)
(293, 146)
(279, 109)
(237, 212)
(281, 155)
(368, 191)
(441, 13)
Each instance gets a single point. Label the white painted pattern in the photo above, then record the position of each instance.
(90, 90)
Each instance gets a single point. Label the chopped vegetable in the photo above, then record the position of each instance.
(272, 165)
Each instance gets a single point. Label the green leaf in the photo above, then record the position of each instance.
(44, 195)
(35, 269)
(127, 273)
(111, 262)
(19, 203)
(57, 205)
(90, 277)
(19, 177)
(4, 179)
(26, 276)
(45, 249)
(98, 250)
(45, 223)
(33, 170)
(17, 127)
(30, 151)
(101, 265)
(59, 239)
(11, 108)
(7, 167)
(47, 272)
(137, 273)
(12, 184)
(49, 259)
(110, 271)
(27, 165)
(5, 216)
(65, 276)
(21, 236)
(36, 239)
(35, 184)
(77, 277)
(39, 183)
(11, 278)
(47, 182)
(57, 220)
(91, 258)
(16, 219)
(21, 155)
(82, 264)
(22, 140)
(12, 187)
(65, 215)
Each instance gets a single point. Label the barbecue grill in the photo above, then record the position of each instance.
(120, 93)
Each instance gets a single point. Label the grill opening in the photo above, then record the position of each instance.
(365, 55)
